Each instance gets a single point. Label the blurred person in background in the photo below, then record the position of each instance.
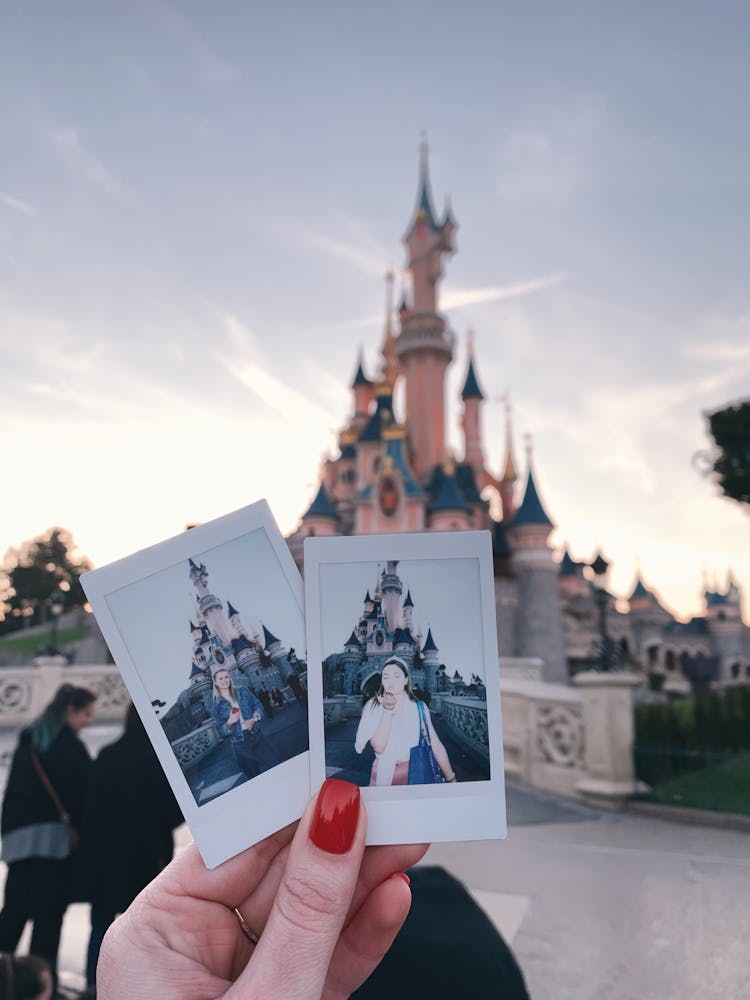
(127, 832)
(41, 813)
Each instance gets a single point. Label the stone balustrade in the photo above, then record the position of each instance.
(573, 740)
(26, 691)
(190, 749)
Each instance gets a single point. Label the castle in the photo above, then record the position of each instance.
(385, 627)
(393, 473)
(222, 642)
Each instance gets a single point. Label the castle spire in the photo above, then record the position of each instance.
(423, 210)
(510, 475)
(471, 388)
(389, 364)
(424, 347)
(531, 510)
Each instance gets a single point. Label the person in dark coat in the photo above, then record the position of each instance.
(447, 948)
(126, 837)
(36, 841)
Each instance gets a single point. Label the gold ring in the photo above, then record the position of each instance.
(252, 937)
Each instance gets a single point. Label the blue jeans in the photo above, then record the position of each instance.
(254, 754)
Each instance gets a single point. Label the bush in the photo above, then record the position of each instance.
(679, 736)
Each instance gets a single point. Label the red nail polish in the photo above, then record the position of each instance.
(402, 875)
(336, 816)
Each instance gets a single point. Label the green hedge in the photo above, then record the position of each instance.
(714, 720)
(691, 733)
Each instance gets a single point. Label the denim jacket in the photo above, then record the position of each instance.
(249, 706)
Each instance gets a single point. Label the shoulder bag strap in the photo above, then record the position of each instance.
(49, 788)
(425, 732)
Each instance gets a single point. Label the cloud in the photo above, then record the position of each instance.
(246, 364)
(495, 293)
(80, 161)
(546, 162)
(19, 205)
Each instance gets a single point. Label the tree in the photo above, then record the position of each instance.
(730, 464)
(36, 569)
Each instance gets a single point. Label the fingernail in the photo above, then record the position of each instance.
(336, 816)
(402, 875)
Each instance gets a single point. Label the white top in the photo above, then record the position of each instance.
(404, 735)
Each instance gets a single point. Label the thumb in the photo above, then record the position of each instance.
(312, 901)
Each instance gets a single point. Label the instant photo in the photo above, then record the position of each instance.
(404, 682)
(207, 630)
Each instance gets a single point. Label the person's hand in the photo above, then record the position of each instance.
(248, 723)
(326, 911)
(387, 700)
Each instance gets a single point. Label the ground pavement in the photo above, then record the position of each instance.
(597, 906)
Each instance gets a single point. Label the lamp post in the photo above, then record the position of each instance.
(56, 607)
(599, 568)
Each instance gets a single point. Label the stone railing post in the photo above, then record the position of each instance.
(49, 678)
(608, 722)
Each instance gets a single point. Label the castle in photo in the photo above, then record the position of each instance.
(393, 473)
(385, 627)
(222, 642)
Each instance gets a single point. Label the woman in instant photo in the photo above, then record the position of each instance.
(242, 713)
(392, 722)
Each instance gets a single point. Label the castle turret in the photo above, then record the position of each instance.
(209, 605)
(362, 388)
(449, 509)
(540, 630)
(408, 611)
(391, 588)
(424, 347)
(430, 658)
(472, 397)
(321, 517)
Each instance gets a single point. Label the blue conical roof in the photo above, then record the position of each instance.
(408, 603)
(639, 590)
(568, 566)
(531, 510)
(268, 638)
(231, 612)
(372, 429)
(352, 640)
(360, 378)
(322, 505)
(429, 645)
(471, 388)
(449, 496)
(193, 628)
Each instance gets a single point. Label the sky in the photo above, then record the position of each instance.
(154, 614)
(198, 203)
(447, 601)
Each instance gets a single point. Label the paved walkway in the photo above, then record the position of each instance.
(597, 906)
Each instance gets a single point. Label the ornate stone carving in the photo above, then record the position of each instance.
(193, 747)
(15, 696)
(111, 694)
(560, 735)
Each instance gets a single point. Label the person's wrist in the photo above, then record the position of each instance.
(452, 778)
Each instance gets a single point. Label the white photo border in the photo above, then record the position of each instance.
(473, 810)
(255, 809)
